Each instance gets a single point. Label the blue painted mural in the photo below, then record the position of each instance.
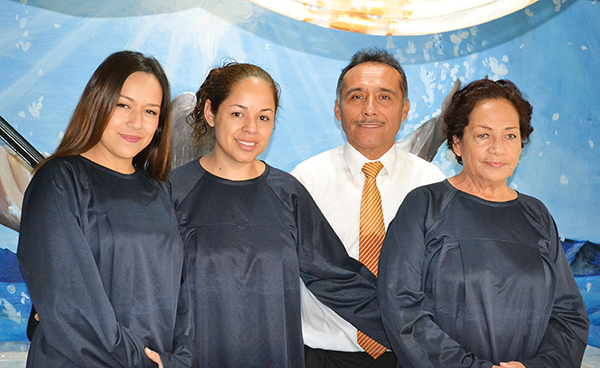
(48, 53)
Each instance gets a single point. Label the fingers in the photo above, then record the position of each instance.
(512, 365)
(154, 356)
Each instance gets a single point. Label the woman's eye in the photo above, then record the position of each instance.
(151, 112)
(264, 118)
(122, 105)
(512, 136)
(482, 135)
(236, 114)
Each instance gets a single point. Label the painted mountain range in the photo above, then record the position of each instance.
(10, 271)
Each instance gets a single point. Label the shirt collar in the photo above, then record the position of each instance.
(356, 160)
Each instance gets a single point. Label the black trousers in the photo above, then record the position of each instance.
(319, 358)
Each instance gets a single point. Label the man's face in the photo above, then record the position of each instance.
(370, 108)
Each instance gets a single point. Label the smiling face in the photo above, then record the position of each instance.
(243, 124)
(132, 124)
(491, 143)
(371, 109)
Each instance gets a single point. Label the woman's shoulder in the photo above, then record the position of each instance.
(185, 172)
(63, 176)
(430, 200)
(536, 209)
(185, 175)
(58, 163)
(182, 180)
(439, 189)
(59, 169)
(287, 188)
(275, 173)
(532, 201)
(283, 180)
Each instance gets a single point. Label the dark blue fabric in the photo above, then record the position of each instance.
(464, 282)
(250, 242)
(103, 260)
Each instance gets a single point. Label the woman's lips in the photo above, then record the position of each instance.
(496, 165)
(131, 138)
(245, 144)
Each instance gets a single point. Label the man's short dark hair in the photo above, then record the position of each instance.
(373, 55)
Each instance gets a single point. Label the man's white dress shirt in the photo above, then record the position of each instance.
(335, 181)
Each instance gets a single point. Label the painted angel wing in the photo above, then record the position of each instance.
(184, 147)
(425, 141)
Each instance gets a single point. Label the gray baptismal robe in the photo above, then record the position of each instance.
(103, 259)
(465, 282)
(248, 242)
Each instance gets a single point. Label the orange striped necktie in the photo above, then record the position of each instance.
(372, 232)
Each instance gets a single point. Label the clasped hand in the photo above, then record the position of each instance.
(507, 365)
(153, 355)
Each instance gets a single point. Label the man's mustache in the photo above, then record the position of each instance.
(369, 122)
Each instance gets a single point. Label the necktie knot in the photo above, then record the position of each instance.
(372, 169)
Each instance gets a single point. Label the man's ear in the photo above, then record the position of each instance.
(337, 111)
(405, 109)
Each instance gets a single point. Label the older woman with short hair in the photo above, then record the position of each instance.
(472, 272)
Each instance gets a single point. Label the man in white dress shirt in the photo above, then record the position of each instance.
(371, 103)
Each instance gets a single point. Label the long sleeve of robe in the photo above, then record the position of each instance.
(249, 242)
(102, 258)
(464, 282)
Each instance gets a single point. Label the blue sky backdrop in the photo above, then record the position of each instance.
(550, 50)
